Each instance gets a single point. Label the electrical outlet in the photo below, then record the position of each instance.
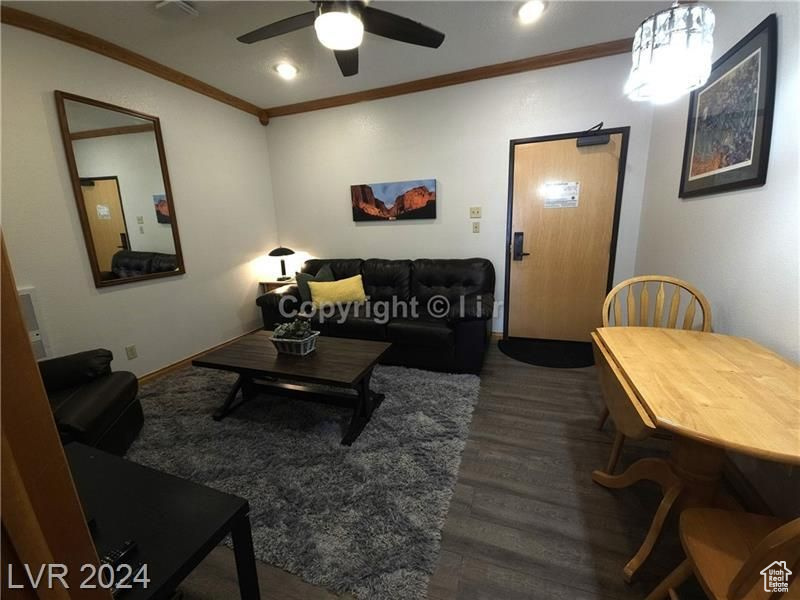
(141, 228)
(131, 353)
(476, 227)
(475, 212)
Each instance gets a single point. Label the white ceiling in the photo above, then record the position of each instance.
(478, 33)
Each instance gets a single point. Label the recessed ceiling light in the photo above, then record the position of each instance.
(531, 11)
(286, 70)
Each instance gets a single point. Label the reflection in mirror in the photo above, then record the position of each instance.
(122, 188)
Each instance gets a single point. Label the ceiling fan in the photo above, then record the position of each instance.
(340, 26)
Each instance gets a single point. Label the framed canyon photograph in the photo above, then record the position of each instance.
(730, 118)
(394, 201)
(162, 208)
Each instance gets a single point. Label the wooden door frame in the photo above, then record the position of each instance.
(623, 159)
(119, 195)
(42, 518)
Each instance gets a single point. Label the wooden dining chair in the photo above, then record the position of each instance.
(727, 552)
(628, 304)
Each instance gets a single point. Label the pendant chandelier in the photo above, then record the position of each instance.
(671, 53)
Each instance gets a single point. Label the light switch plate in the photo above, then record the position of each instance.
(140, 220)
(476, 227)
(475, 212)
(130, 352)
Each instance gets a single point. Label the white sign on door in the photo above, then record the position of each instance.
(561, 194)
(103, 212)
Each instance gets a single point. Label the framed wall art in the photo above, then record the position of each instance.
(162, 208)
(398, 200)
(730, 118)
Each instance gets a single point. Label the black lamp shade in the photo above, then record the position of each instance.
(281, 251)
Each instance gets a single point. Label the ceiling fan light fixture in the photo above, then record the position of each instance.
(286, 70)
(531, 11)
(339, 30)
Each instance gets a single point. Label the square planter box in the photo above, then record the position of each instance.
(296, 347)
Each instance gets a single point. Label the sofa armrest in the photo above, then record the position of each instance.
(273, 296)
(75, 369)
(473, 307)
(277, 304)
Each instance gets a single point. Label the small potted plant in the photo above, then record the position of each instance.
(296, 337)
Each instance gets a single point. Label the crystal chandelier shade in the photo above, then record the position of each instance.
(671, 53)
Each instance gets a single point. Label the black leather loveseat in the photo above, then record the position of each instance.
(428, 334)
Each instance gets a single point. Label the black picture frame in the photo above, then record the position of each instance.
(750, 65)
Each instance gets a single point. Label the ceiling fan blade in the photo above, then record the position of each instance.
(399, 28)
(279, 28)
(348, 61)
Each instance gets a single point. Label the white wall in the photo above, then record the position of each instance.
(459, 136)
(133, 159)
(220, 180)
(740, 248)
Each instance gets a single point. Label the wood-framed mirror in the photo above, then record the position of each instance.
(121, 184)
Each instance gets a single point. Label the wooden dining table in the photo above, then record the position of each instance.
(714, 393)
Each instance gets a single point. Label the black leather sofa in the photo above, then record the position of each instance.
(91, 404)
(453, 342)
(133, 263)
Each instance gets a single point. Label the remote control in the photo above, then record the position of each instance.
(115, 557)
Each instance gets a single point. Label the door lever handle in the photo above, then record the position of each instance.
(517, 252)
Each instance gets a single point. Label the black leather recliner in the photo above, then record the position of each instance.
(91, 404)
(455, 342)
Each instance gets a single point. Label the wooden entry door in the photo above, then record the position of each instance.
(563, 217)
(106, 217)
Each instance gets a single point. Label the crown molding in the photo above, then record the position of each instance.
(24, 20)
(542, 61)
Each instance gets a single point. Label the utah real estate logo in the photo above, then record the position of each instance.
(776, 577)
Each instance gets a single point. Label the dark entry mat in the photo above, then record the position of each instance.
(548, 353)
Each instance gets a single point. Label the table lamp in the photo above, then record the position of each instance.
(281, 251)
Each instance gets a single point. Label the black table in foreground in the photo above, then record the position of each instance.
(174, 522)
(341, 363)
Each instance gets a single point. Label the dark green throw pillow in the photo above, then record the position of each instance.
(324, 274)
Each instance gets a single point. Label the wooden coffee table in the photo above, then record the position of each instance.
(336, 363)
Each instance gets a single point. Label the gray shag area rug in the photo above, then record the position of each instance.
(365, 519)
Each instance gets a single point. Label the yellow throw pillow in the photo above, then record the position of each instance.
(337, 292)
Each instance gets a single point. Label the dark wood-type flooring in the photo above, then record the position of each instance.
(526, 521)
